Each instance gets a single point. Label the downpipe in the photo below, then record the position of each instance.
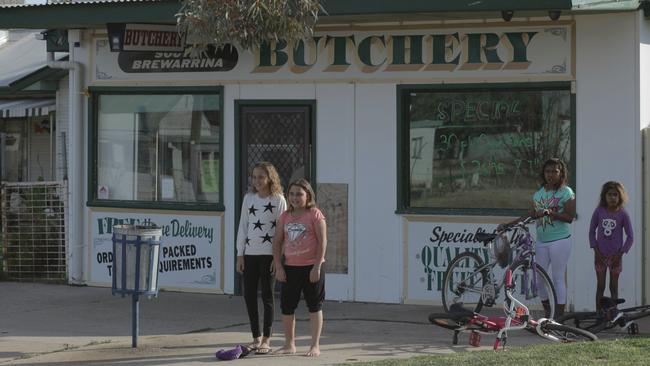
(76, 250)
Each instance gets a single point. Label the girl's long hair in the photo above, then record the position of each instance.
(622, 194)
(275, 187)
(304, 184)
(564, 172)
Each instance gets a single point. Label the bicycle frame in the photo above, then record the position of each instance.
(525, 249)
(517, 318)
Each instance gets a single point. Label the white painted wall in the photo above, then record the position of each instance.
(608, 143)
(378, 263)
(335, 163)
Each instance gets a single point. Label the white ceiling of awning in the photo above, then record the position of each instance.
(26, 107)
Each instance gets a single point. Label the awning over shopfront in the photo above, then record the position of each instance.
(26, 108)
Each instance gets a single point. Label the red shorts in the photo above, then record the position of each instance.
(613, 262)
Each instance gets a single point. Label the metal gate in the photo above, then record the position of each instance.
(33, 231)
(277, 134)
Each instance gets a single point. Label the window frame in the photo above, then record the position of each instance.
(403, 142)
(93, 119)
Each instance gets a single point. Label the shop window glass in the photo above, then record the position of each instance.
(473, 149)
(158, 147)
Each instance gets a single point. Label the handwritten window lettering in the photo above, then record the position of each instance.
(482, 149)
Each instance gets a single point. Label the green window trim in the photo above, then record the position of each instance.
(403, 143)
(95, 93)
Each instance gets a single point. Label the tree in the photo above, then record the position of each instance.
(247, 23)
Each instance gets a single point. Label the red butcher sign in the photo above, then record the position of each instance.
(144, 37)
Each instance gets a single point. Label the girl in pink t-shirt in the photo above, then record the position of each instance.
(301, 237)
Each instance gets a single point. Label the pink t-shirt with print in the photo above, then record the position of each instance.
(300, 240)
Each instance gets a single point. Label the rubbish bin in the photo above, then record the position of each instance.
(136, 250)
(135, 259)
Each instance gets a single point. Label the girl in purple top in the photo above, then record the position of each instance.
(606, 237)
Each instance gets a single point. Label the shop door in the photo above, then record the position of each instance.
(279, 134)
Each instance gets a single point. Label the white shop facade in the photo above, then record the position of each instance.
(416, 136)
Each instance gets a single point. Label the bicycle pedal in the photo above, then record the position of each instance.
(475, 339)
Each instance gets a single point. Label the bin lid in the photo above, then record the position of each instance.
(137, 230)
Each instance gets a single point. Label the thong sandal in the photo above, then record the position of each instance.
(263, 350)
(251, 347)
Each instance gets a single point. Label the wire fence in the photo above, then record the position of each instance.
(34, 231)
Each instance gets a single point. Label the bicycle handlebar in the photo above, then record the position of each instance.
(519, 224)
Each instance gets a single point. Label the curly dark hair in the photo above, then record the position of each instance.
(622, 194)
(564, 172)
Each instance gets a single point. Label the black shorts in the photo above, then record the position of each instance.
(297, 283)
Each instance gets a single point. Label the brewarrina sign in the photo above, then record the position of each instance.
(492, 52)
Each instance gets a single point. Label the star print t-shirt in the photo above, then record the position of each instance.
(606, 231)
(549, 230)
(300, 240)
(257, 222)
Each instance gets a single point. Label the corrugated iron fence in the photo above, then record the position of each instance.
(33, 231)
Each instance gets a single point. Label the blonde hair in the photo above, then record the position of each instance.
(275, 187)
(304, 184)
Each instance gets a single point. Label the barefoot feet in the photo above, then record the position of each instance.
(314, 351)
(286, 350)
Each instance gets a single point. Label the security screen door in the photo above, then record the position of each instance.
(277, 134)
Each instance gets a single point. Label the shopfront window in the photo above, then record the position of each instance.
(158, 147)
(474, 149)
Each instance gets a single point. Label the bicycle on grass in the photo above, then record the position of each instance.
(470, 282)
(609, 317)
(517, 317)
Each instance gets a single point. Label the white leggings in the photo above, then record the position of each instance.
(555, 255)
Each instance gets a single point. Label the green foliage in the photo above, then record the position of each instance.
(247, 23)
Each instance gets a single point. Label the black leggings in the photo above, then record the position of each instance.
(257, 268)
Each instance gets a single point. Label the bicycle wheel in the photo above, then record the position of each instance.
(566, 334)
(463, 282)
(531, 295)
(590, 321)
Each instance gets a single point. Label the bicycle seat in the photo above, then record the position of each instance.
(484, 237)
(458, 312)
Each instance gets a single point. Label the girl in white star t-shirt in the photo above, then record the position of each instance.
(260, 211)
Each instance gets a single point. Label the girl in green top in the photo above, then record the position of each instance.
(554, 206)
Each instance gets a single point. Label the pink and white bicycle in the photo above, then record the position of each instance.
(517, 317)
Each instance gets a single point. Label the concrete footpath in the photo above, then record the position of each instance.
(66, 325)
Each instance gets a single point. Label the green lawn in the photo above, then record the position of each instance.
(627, 351)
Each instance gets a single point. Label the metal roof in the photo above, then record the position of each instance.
(92, 14)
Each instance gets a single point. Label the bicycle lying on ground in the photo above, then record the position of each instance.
(609, 317)
(517, 317)
(473, 284)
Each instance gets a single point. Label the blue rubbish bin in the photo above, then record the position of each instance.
(136, 251)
